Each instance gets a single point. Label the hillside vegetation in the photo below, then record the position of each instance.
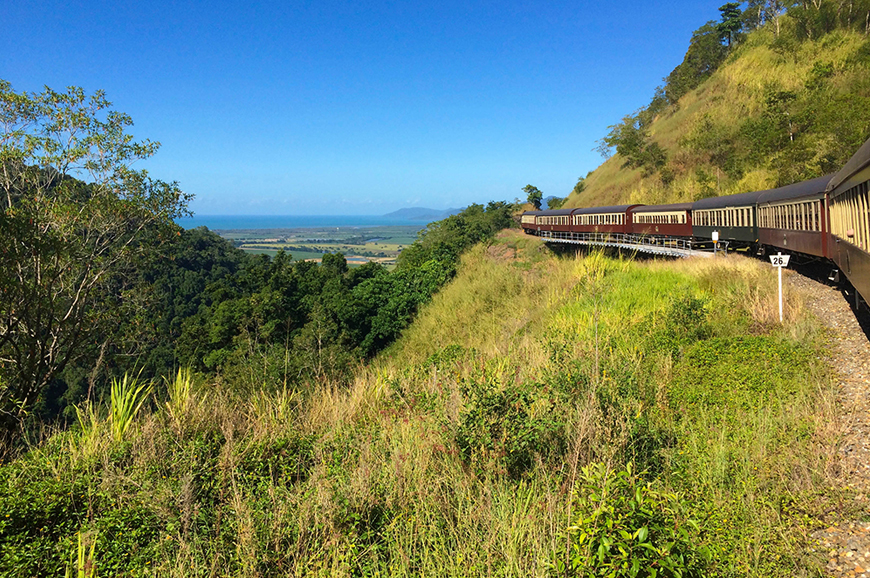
(487, 408)
(789, 101)
(542, 416)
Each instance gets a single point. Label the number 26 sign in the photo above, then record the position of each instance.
(779, 260)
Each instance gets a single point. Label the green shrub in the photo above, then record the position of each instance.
(685, 322)
(128, 539)
(739, 371)
(511, 426)
(625, 527)
(282, 461)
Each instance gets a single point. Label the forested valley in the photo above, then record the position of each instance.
(192, 300)
(173, 406)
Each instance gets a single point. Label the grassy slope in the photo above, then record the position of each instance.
(397, 474)
(734, 93)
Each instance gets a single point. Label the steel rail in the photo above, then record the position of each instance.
(668, 246)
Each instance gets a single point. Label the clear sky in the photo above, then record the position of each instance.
(315, 107)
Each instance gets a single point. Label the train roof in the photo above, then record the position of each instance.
(603, 210)
(741, 200)
(859, 161)
(664, 208)
(555, 212)
(803, 189)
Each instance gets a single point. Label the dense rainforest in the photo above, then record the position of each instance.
(172, 406)
(249, 320)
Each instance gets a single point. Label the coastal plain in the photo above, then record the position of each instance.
(359, 244)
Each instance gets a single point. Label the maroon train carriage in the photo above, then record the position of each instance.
(673, 220)
(616, 219)
(550, 221)
(528, 221)
(793, 218)
(849, 212)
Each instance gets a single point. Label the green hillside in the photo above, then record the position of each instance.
(542, 416)
(490, 407)
(780, 108)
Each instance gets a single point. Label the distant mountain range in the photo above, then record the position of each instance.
(422, 214)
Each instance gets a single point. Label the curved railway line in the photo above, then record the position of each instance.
(826, 219)
(825, 224)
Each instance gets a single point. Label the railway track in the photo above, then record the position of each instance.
(845, 543)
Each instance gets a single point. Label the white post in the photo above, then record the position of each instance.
(779, 261)
(780, 293)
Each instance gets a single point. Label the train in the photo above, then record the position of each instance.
(826, 218)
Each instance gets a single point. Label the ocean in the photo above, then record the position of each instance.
(226, 222)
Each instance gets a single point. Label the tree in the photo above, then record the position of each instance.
(580, 186)
(731, 23)
(534, 196)
(706, 52)
(753, 16)
(633, 143)
(70, 248)
(772, 11)
(556, 202)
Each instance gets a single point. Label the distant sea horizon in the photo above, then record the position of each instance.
(230, 222)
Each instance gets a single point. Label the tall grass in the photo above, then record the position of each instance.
(127, 396)
(395, 475)
(181, 396)
(82, 565)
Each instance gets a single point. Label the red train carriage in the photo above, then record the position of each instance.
(663, 220)
(528, 221)
(793, 218)
(556, 220)
(616, 219)
(849, 212)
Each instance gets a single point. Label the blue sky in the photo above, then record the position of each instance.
(357, 108)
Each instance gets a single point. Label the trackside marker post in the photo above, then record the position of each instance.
(779, 261)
